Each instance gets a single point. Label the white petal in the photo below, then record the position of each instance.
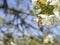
(48, 1)
(42, 15)
(54, 2)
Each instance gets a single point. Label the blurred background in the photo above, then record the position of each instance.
(29, 22)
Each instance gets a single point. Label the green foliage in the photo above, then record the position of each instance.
(8, 38)
(45, 9)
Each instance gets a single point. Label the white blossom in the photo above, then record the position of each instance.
(57, 13)
(49, 38)
(33, 1)
(54, 2)
(12, 43)
(46, 19)
(48, 0)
